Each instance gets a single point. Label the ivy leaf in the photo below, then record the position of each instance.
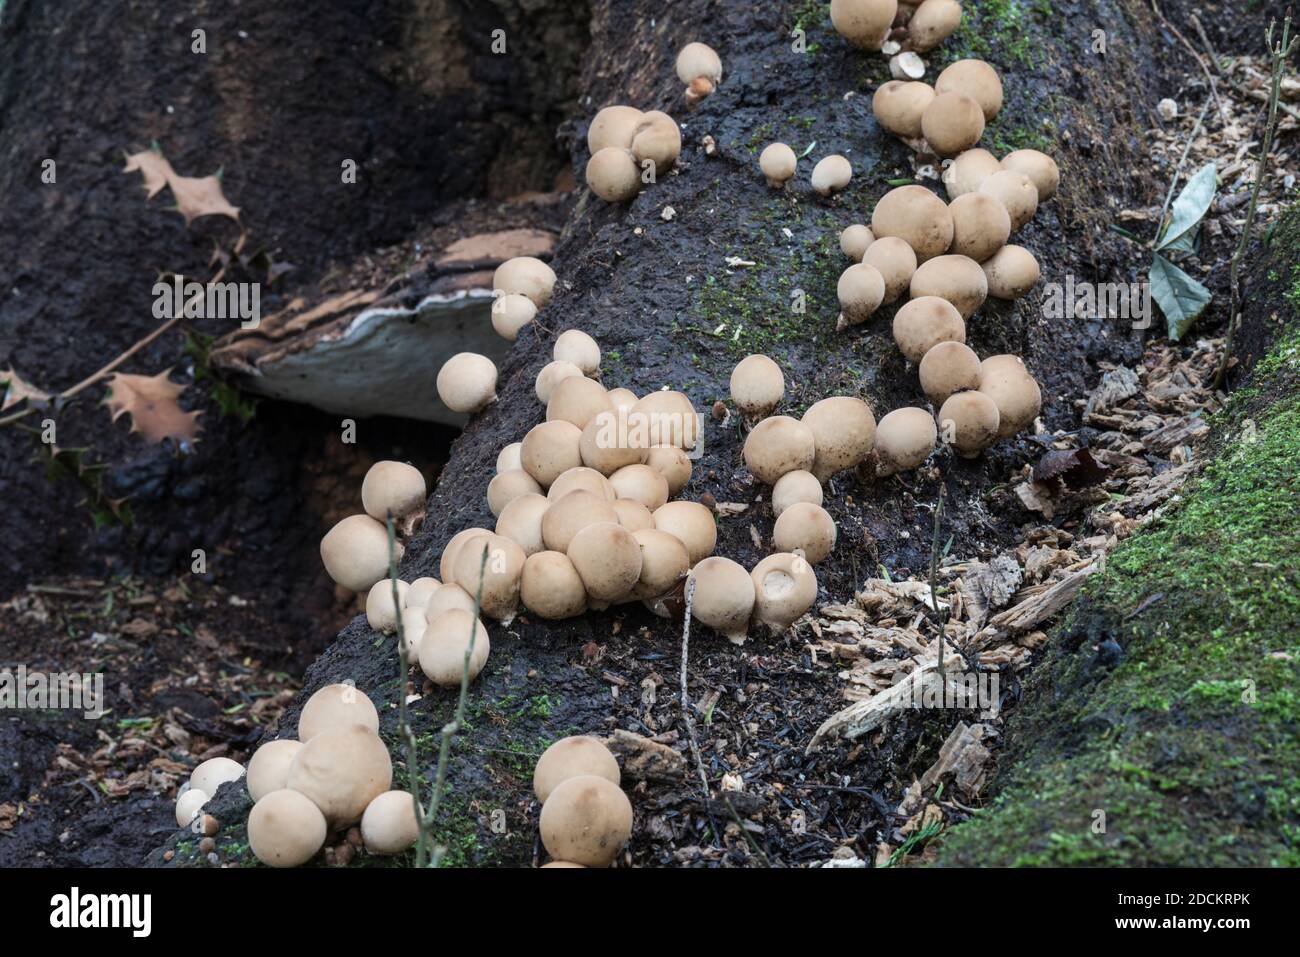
(151, 403)
(1189, 209)
(1180, 297)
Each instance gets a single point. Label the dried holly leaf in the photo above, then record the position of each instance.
(195, 196)
(1074, 468)
(201, 196)
(16, 390)
(151, 403)
(154, 167)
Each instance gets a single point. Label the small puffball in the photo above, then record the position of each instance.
(570, 758)
(697, 60)
(613, 175)
(393, 488)
(551, 375)
(778, 163)
(586, 820)
(214, 772)
(420, 591)
(388, 825)
(467, 382)
(341, 771)
(796, 486)
(527, 276)
(268, 769)
(381, 612)
(757, 386)
(854, 241)
(831, 175)
(511, 313)
(355, 552)
(336, 706)
(575, 346)
(723, 597)
(285, 829)
(904, 440)
(785, 587)
(188, 806)
(806, 528)
(445, 642)
(508, 458)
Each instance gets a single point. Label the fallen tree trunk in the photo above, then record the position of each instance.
(697, 272)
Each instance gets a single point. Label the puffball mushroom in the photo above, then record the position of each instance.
(613, 175)
(968, 421)
(586, 820)
(958, 279)
(896, 263)
(805, 528)
(571, 514)
(658, 140)
(510, 313)
(507, 486)
(1011, 272)
(341, 771)
(672, 463)
(393, 488)
(623, 400)
(550, 376)
(692, 524)
(632, 515)
(948, 367)
(724, 597)
(796, 486)
(415, 622)
(381, 612)
(843, 430)
(1006, 381)
(971, 167)
(573, 757)
(664, 562)
(864, 23)
(980, 225)
(336, 706)
(521, 522)
(499, 577)
(551, 587)
(778, 445)
(667, 418)
(977, 80)
(550, 449)
(467, 382)
(445, 599)
(785, 587)
(953, 122)
(355, 552)
(574, 345)
(933, 22)
(916, 216)
(922, 323)
(285, 829)
(608, 558)
(445, 642)
(757, 386)
(527, 276)
(899, 105)
(607, 446)
(861, 290)
(189, 805)
(1016, 191)
(581, 478)
(578, 400)
(831, 174)
(388, 825)
(854, 241)
(697, 60)
(417, 595)
(268, 769)
(904, 439)
(447, 562)
(1039, 167)
(613, 126)
(641, 484)
(778, 162)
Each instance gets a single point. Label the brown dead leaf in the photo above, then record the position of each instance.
(195, 196)
(151, 403)
(16, 390)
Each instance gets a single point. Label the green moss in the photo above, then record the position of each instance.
(995, 30)
(1187, 751)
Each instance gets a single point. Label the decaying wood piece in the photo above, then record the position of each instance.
(863, 717)
(1037, 608)
(964, 757)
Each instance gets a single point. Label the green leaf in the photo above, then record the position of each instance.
(1189, 209)
(1180, 297)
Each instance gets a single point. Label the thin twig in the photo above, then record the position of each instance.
(934, 585)
(686, 704)
(404, 731)
(1279, 54)
(1227, 78)
(1173, 183)
(450, 728)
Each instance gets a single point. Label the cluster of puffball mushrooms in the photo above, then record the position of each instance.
(584, 503)
(335, 775)
(948, 257)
